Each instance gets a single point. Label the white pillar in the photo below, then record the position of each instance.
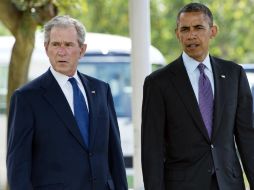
(139, 11)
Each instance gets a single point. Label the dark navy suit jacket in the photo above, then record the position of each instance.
(45, 147)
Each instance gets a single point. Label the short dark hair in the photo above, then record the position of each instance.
(196, 7)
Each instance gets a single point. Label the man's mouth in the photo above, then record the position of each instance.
(62, 61)
(192, 46)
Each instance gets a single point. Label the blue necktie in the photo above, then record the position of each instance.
(80, 111)
(205, 95)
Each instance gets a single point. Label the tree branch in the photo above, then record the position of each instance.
(9, 15)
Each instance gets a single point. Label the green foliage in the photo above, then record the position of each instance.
(130, 181)
(3, 30)
(77, 8)
(109, 16)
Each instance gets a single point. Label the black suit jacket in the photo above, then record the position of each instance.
(45, 147)
(177, 153)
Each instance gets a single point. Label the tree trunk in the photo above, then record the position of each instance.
(21, 53)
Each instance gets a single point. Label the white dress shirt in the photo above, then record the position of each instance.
(66, 87)
(191, 66)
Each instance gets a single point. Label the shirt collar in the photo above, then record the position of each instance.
(63, 79)
(191, 64)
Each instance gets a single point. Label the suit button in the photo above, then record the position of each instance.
(90, 154)
(212, 146)
(209, 171)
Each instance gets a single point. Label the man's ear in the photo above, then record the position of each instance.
(214, 31)
(177, 34)
(46, 47)
(83, 50)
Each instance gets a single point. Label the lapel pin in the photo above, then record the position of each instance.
(223, 76)
(93, 92)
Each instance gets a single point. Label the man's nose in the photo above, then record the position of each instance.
(61, 50)
(192, 34)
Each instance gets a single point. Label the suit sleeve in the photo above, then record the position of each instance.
(152, 139)
(244, 128)
(116, 161)
(19, 145)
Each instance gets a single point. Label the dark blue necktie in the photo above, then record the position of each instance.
(205, 95)
(80, 111)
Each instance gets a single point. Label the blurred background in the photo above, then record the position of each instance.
(21, 22)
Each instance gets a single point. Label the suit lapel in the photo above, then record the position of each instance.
(54, 95)
(184, 88)
(220, 78)
(91, 97)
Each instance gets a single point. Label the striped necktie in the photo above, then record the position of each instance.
(205, 95)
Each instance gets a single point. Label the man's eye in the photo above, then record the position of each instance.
(55, 44)
(200, 27)
(184, 29)
(69, 44)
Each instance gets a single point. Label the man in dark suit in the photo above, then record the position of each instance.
(49, 145)
(195, 110)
